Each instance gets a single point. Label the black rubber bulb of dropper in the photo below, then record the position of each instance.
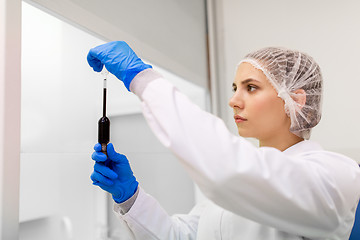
(104, 132)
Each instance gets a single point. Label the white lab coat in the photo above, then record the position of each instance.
(255, 193)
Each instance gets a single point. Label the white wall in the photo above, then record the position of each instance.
(327, 30)
(61, 105)
(10, 94)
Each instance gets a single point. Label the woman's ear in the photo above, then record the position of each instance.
(299, 97)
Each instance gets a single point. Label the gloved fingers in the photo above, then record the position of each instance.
(99, 156)
(98, 55)
(94, 61)
(105, 171)
(114, 156)
(97, 147)
(97, 178)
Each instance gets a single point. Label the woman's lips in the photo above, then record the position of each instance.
(239, 119)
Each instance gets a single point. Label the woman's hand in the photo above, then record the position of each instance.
(113, 174)
(119, 59)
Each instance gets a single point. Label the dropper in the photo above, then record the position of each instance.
(104, 73)
(104, 122)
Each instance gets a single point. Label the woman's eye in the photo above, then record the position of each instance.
(234, 88)
(251, 88)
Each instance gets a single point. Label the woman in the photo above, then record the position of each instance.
(288, 188)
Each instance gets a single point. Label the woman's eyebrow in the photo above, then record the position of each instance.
(249, 80)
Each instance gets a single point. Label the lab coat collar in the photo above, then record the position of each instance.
(303, 146)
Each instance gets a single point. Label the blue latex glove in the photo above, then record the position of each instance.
(113, 173)
(119, 59)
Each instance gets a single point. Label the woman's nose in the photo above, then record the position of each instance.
(236, 101)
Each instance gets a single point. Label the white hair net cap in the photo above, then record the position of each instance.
(287, 71)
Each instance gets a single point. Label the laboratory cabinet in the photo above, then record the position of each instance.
(61, 104)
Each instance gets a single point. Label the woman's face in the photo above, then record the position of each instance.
(258, 111)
